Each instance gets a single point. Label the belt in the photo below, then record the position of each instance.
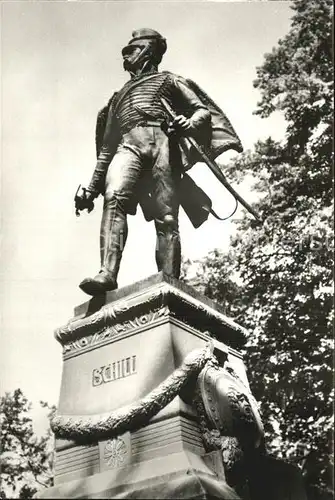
(149, 123)
(142, 123)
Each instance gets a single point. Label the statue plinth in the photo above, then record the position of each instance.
(116, 350)
(154, 392)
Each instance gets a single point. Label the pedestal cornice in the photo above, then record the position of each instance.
(142, 304)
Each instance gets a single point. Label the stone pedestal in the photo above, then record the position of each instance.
(129, 426)
(116, 350)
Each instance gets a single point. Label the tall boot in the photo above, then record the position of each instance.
(168, 250)
(113, 235)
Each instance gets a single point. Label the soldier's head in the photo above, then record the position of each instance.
(146, 48)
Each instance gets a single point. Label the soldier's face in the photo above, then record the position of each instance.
(130, 56)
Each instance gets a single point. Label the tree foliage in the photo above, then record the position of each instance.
(25, 458)
(277, 277)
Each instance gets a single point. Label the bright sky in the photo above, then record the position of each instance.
(61, 62)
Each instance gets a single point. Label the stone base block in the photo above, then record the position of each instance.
(181, 474)
(116, 350)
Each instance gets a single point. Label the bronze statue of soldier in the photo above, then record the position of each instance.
(143, 160)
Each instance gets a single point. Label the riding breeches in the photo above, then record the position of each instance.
(145, 155)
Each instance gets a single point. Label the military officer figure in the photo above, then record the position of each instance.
(140, 163)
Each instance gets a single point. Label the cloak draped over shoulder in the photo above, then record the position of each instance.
(218, 137)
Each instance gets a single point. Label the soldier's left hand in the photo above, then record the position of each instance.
(180, 124)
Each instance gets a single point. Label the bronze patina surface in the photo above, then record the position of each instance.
(143, 160)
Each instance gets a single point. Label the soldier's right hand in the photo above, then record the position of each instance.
(84, 201)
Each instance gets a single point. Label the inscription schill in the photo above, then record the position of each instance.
(114, 371)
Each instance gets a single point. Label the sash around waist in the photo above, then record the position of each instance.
(142, 123)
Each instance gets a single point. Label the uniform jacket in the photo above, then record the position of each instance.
(218, 137)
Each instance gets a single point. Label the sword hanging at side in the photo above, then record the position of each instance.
(212, 165)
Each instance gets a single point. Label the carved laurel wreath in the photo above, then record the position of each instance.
(94, 427)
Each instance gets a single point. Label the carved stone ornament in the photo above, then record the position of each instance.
(95, 427)
(230, 407)
(115, 452)
(104, 335)
(166, 299)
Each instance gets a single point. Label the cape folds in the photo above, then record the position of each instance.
(220, 138)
